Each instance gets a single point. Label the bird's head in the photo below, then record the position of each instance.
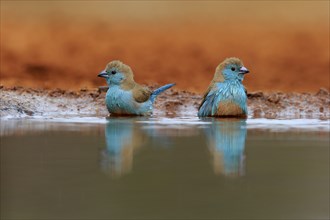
(230, 69)
(117, 73)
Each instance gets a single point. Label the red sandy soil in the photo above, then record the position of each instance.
(60, 54)
(19, 102)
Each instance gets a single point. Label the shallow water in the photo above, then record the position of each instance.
(138, 168)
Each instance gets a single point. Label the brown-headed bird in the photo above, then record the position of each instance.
(125, 96)
(226, 95)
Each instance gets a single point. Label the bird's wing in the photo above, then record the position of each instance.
(208, 103)
(206, 94)
(141, 93)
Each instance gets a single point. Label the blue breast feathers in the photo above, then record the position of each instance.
(119, 101)
(224, 92)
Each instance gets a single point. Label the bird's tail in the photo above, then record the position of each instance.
(156, 92)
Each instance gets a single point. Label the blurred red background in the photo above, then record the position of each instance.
(285, 45)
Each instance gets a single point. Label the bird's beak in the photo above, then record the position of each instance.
(243, 70)
(103, 74)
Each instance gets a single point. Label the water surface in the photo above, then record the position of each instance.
(137, 168)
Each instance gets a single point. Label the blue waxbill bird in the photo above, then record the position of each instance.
(125, 96)
(226, 95)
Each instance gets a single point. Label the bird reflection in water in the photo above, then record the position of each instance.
(123, 138)
(226, 140)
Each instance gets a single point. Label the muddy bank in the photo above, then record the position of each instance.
(18, 102)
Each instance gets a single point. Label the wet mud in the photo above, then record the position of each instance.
(18, 102)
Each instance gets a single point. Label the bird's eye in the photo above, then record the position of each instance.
(233, 69)
(113, 72)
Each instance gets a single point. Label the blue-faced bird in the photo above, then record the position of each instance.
(125, 96)
(226, 95)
